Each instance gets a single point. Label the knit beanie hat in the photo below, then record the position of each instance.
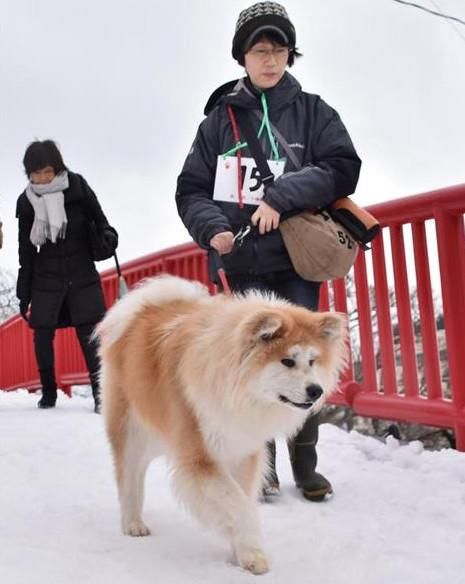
(258, 18)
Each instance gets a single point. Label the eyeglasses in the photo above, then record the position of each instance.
(265, 54)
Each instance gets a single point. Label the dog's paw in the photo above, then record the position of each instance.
(136, 528)
(254, 560)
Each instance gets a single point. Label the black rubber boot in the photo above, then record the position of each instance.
(94, 380)
(270, 486)
(49, 389)
(97, 404)
(303, 456)
(89, 350)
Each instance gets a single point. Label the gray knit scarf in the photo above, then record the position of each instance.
(48, 202)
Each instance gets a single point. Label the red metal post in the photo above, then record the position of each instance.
(365, 325)
(427, 316)
(404, 313)
(450, 236)
(383, 312)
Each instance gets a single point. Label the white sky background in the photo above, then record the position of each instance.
(397, 516)
(121, 86)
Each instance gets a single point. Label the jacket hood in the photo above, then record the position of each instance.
(242, 93)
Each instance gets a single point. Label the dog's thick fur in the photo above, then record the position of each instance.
(207, 381)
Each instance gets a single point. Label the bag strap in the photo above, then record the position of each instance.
(245, 124)
(282, 140)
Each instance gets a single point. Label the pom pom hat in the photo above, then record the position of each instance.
(258, 18)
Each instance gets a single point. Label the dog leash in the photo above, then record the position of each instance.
(238, 240)
(122, 284)
(219, 267)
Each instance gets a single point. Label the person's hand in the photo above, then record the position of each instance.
(223, 242)
(265, 218)
(111, 237)
(23, 308)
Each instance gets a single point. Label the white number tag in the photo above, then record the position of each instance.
(252, 187)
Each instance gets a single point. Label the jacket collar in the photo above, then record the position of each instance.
(242, 93)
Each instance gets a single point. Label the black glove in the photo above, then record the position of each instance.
(23, 308)
(110, 236)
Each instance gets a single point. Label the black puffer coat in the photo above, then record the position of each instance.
(315, 132)
(60, 279)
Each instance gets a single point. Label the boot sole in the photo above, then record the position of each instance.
(317, 495)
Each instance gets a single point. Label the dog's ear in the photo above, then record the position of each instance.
(266, 326)
(332, 325)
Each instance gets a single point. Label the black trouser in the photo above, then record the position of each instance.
(289, 285)
(45, 356)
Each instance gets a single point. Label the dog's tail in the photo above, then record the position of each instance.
(150, 292)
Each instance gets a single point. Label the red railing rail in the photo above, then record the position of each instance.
(384, 396)
(398, 369)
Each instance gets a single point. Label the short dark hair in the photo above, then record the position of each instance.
(40, 154)
(277, 39)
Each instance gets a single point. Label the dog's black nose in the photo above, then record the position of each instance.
(314, 391)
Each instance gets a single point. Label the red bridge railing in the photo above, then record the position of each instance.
(404, 365)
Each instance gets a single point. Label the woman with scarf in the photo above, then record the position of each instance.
(57, 279)
(219, 190)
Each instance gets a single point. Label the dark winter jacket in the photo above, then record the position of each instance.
(315, 132)
(60, 279)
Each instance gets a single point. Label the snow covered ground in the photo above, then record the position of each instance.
(397, 516)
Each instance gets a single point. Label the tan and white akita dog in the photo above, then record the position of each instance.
(207, 380)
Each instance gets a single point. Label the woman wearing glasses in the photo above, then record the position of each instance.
(219, 189)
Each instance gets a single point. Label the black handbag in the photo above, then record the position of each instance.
(102, 247)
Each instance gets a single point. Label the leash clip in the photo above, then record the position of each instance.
(242, 234)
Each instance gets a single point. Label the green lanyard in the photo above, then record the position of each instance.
(265, 124)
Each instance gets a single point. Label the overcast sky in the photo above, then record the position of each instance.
(121, 86)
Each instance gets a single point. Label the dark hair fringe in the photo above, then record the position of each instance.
(40, 154)
(293, 55)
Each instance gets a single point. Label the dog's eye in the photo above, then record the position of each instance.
(311, 362)
(288, 362)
